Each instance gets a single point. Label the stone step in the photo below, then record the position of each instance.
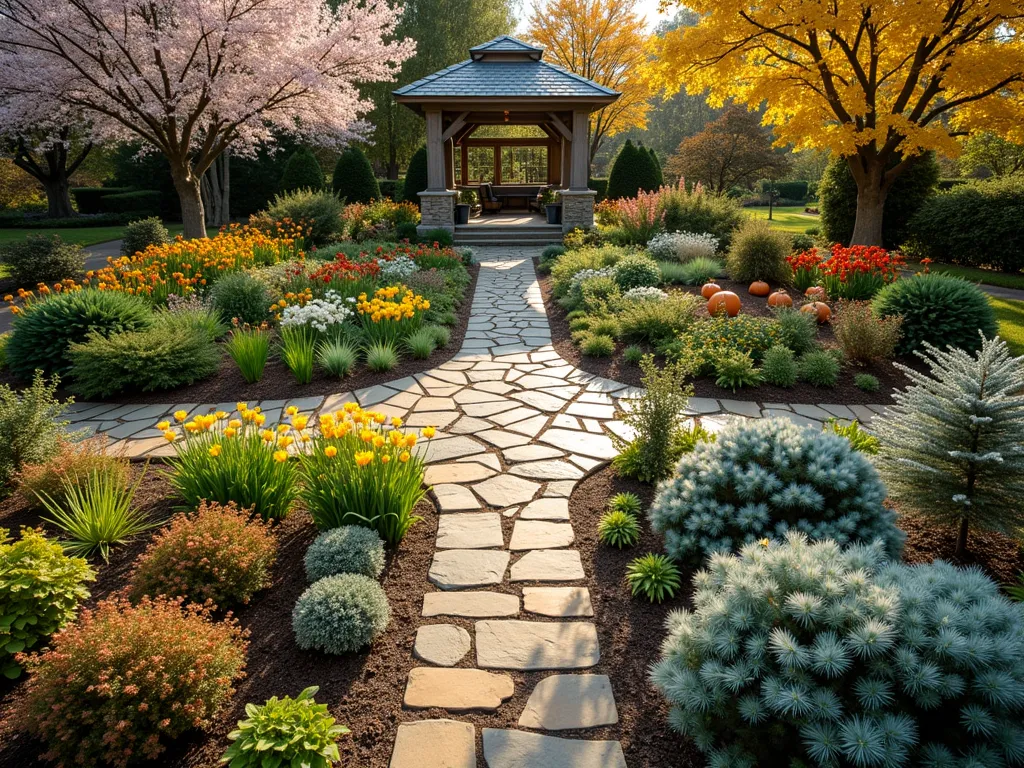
(457, 690)
(540, 534)
(466, 568)
(434, 744)
(558, 602)
(568, 702)
(442, 644)
(471, 605)
(548, 565)
(520, 749)
(469, 530)
(533, 645)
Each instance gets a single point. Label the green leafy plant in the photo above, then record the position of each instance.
(217, 553)
(818, 368)
(653, 576)
(604, 326)
(633, 354)
(249, 347)
(709, 339)
(337, 357)
(40, 589)
(637, 271)
(650, 322)
(758, 252)
(779, 366)
(625, 502)
(860, 440)
(618, 529)
(46, 329)
(735, 369)
(801, 653)
(597, 345)
(32, 426)
(285, 732)
(381, 357)
(580, 323)
(138, 235)
(700, 270)
(97, 513)
(656, 419)
(242, 297)
(797, 330)
(863, 335)
(298, 350)
(762, 478)
(340, 614)
(42, 259)
(346, 549)
(939, 310)
(951, 442)
(866, 382)
(189, 660)
(420, 343)
(440, 334)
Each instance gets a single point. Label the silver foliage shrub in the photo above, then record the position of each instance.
(763, 478)
(346, 549)
(806, 654)
(952, 446)
(340, 614)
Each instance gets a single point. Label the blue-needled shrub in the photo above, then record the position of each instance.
(340, 614)
(763, 478)
(806, 654)
(346, 549)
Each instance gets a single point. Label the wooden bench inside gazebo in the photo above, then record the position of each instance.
(506, 82)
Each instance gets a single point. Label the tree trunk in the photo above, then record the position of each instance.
(216, 189)
(961, 539)
(188, 186)
(871, 192)
(58, 197)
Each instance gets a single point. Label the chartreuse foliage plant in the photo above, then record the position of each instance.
(124, 681)
(340, 614)
(241, 459)
(285, 732)
(618, 528)
(763, 478)
(625, 502)
(249, 347)
(363, 469)
(806, 653)
(653, 576)
(40, 589)
(952, 445)
(860, 439)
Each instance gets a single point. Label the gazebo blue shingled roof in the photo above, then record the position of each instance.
(505, 67)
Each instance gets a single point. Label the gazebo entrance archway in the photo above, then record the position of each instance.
(506, 82)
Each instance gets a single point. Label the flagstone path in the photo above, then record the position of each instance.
(518, 427)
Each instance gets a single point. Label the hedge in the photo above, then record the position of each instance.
(302, 171)
(391, 188)
(415, 177)
(139, 201)
(20, 221)
(790, 190)
(90, 199)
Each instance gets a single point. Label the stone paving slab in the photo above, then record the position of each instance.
(540, 534)
(469, 530)
(457, 690)
(470, 605)
(520, 749)
(465, 568)
(569, 702)
(434, 744)
(548, 565)
(533, 645)
(559, 602)
(441, 644)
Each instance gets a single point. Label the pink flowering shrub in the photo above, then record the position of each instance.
(121, 683)
(217, 553)
(639, 217)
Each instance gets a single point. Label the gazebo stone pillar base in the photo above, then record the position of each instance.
(577, 209)
(437, 210)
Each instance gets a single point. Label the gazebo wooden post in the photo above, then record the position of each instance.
(437, 202)
(577, 198)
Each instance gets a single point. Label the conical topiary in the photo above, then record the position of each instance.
(622, 179)
(353, 179)
(659, 173)
(416, 176)
(302, 171)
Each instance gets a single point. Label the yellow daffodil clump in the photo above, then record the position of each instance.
(391, 314)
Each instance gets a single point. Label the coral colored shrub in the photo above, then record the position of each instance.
(72, 463)
(124, 681)
(218, 553)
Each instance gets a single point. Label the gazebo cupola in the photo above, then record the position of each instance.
(506, 82)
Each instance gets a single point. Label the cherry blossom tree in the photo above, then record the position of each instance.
(192, 77)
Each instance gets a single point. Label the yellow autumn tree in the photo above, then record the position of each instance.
(604, 41)
(879, 82)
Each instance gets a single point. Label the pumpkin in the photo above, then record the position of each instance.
(726, 300)
(780, 299)
(819, 309)
(759, 288)
(815, 291)
(710, 289)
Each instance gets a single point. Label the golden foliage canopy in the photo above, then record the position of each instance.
(604, 41)
(877, 76)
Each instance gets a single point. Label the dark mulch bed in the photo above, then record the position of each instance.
(227, 385)
(615, 367)
(1001, 557)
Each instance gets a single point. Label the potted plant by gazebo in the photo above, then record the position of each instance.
(467, 199)
(552, 207)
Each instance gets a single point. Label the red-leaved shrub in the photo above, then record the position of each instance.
(217, 553)
(116, 686)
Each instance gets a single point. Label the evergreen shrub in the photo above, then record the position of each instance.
(637, 271)
(319, 211)
(415, 176)
(759, 252)
(301, 171)
(142, 233)
(353, 179)
(243, 297)
(632, 171)
(764, 478)
(42, 259)
(808, 654)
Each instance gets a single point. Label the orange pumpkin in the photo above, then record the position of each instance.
(780, 299)
(710, 289)
(759, 288)
(726, 300)
(819, 309)
(815, 291)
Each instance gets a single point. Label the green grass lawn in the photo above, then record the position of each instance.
(83, 235)
(788, 218)
(975, 275)
(1010, 315)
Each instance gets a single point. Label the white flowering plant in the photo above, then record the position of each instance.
(324, 315)
(397, 268)
(644, 293)
(682, 246)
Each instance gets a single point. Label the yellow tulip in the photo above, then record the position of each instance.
(291, 410)
(403, 456)
(363, 457)
(215, 450)
(163, 426)
(235, 423)
(429, 432)
(180, 416)
(280, 456)
(330, 451)
(169, 435)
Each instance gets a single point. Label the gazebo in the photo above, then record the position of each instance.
(506, 82)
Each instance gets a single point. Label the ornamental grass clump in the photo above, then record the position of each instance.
(864, 336)
(241, 460)
(618, 529)
(298, 350)
(40, 589)
(73, 462)
(802, 653)
(363, 469)
(340, 614)
(654, 577)
(249, 347)
(123, 682)
(952, 445)
(217, 553)
(763, 478)
(285, 732)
